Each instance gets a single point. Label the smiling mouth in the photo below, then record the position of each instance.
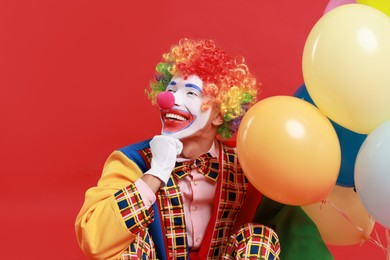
(176, 120)
(171, 116)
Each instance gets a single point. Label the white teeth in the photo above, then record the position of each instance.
(174, 116)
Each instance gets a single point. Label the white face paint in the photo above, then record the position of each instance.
(186, 116)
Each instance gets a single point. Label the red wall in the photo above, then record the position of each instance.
(72, 80)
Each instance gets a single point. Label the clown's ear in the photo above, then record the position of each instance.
(218, 119)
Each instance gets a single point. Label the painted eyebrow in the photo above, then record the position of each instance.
(172, 83)
(190, 85)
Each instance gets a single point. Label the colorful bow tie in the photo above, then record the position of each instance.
(205, 164)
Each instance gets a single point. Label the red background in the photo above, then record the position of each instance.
(72, 80)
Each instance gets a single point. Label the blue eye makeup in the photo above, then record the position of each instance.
(190, 85)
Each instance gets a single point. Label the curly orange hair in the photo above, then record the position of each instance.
(226, 79)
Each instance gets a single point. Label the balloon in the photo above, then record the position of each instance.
(335, 3)
(372, 174)
(342, 220)
(350, 142)
(346, 61)
(288, 150)
(382, 5)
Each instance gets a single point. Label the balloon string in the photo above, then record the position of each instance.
(387, 236)
(378, 241)
(370, 239)
(346, 217)
(377, 237)
(366, 237)
(388, 244)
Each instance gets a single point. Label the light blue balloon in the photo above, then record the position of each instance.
(372, 174)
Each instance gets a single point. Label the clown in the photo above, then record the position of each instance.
(185, 117)
(179, 195)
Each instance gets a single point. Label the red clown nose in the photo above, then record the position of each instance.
(165, 100)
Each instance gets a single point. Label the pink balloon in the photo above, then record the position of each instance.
(335, 3)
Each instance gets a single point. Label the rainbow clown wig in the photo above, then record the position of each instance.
(226, 79)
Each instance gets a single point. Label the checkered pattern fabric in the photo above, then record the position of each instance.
(231, 193)
(170, 203)
(253, 241)
(205, 164)
(133, 210)
(142, 248)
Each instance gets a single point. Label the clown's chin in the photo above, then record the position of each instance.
(177, 134)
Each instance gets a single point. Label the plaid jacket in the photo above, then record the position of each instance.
(161, 231)
(121, 226)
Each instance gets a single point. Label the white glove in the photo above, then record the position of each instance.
(164, 150)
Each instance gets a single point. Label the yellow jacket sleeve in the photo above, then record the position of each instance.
(100, 227)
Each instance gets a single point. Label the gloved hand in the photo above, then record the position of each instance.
(164, 150)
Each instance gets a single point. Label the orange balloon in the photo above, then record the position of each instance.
(289, 150)
(342, 220)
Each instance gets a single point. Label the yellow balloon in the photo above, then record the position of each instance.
(342, 220)
(382, 5)
(289, 150)
(346, 66)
